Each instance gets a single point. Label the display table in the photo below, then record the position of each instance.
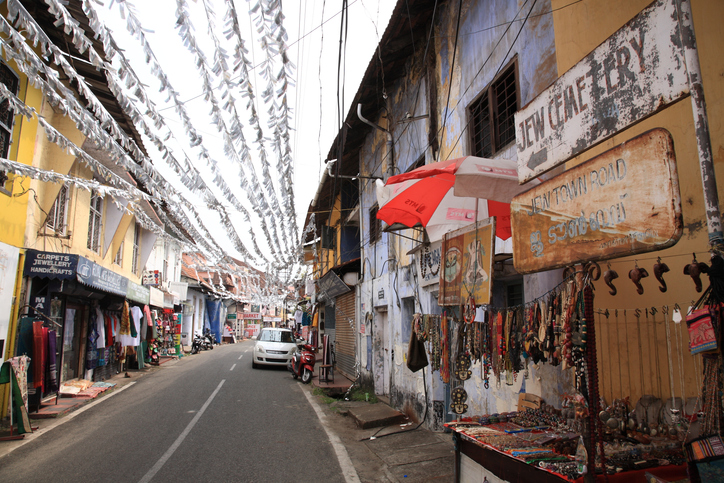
(508, 468)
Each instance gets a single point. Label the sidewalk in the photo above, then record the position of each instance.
(385, 447)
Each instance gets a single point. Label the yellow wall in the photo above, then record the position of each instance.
(629, 364)
(12, 208)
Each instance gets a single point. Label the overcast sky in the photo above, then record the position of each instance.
(310, 39)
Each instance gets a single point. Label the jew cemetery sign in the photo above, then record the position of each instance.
(635, 72)
(623, 201)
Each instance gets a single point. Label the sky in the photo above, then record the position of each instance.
(313, 46)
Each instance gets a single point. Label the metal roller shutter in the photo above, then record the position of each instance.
(344, 346)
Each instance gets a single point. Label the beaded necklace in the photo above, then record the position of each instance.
(445, 350)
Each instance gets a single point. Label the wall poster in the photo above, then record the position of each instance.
(467, 265)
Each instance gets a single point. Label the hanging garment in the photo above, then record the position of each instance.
(9, 375)
(147, 315)
(125, 321)
(100, 328)
(38, 355)
(52, 373)
(136, 315)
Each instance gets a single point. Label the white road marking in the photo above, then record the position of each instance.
(232, 367)
(240, 357)
(159, 464)
(350, 474)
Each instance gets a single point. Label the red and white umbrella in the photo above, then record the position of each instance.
(447, 195)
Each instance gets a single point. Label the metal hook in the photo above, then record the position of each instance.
(637, 313)
(653, 311)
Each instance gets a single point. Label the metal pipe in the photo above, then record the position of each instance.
(390, 163)
(701, 123)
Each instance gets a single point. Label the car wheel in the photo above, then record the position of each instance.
(306, 376)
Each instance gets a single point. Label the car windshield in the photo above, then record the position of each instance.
(276, 336)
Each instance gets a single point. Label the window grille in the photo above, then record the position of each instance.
(94, 222)
(136, 251)
(58, 213)
(375, 225)
(10, 80)
(492, 115)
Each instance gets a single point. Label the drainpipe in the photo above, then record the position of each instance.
(701, 124)
(390, 172)
(391, 158)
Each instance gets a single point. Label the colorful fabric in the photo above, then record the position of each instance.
(125, 320)
(20, 366)
(52, 372)
(147, 315)
(20, 412)
(38, 355)
(100, 328)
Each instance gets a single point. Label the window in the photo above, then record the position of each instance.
(10, 80)
(375, 225)
(329, 237)
(492, 115)
(119, 256)
(136, 244)
(94, 222)
(58, 213)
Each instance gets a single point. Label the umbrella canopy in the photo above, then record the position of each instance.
(445, 196)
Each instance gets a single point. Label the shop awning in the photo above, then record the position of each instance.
(64, 266)
(50, 265)
(98, 277)
(138, 293)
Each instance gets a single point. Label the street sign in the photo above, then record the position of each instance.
(637, 71)
(621, 202)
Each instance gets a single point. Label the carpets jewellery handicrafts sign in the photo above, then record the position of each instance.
(621, 202)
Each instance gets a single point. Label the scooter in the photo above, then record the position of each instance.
(302, 363)
(198, 344)
(209, 340)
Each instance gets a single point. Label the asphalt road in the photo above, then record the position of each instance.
(208, 417)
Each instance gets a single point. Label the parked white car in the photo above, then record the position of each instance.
(273, 347)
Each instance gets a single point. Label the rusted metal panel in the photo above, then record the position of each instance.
(621, 202)
(635, 72)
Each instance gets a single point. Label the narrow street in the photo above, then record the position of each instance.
(209, 417)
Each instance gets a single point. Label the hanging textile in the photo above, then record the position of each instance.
(100, 328)
(125, 321)
(38, 355)
(52, 373)
(9, 375)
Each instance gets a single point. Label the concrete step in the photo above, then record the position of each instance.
(376, 415)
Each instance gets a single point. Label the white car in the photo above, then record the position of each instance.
(273, 347)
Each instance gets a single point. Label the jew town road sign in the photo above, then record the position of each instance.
(635, 72)
(621, 202)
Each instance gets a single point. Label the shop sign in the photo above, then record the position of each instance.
(637, 71)
(96, 276)
(138, 293)
(252, 316)
(467, 266)
(621, 202)
(50, 265)
(332, 286)
(156, 297)
(151, 278)
(230, 316)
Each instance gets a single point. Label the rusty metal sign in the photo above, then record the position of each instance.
(621, 202)
(634, 73)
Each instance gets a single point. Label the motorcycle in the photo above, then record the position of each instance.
(209, 340)
(198, 344)
(302, 363)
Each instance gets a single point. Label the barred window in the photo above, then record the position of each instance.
(10, 80)
(94, 222)
(375, 225)
(492, 115)
(58, 213)
(118, 260)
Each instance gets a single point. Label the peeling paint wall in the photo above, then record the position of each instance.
(387, 283)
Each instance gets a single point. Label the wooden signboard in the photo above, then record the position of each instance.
(467, 264)
(621, 202)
